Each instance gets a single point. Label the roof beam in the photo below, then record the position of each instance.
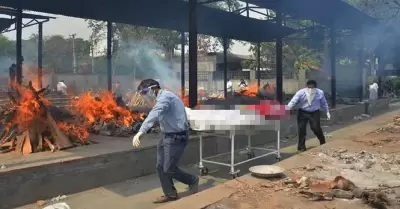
(209, 1)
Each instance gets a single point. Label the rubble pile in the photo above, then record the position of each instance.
(390, 128)
(313, 189)
(28, 124)
(340, 188)
(372, 172)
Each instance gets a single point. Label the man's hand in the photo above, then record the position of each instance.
(136, 139)
(328, 115)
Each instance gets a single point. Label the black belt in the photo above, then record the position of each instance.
(301, 110)
(182, 133)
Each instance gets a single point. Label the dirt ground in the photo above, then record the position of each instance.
(366, 168)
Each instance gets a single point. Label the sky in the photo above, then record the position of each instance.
(66, 26)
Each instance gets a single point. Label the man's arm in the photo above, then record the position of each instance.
(158, 110)
(324, 103)
(294, 100)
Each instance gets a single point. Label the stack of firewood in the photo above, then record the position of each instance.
(28, 126)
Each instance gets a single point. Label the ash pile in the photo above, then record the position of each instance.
(100, 114)
(30, 123)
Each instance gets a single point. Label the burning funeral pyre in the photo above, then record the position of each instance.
(28, 126)
(30, 123)
(100, 114)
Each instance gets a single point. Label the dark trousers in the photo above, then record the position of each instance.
(169, 151)
(314, 119)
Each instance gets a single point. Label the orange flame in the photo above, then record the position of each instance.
(104, 108)
(74, 130)
(28, 108)
(251, 90)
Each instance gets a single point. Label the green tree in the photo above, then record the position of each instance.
(7, 47)
(57, 52)
(166, 40)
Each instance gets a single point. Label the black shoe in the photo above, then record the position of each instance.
(164, 199)
(300, 151)
(194, 188)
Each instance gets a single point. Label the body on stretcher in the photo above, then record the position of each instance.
(243, 119)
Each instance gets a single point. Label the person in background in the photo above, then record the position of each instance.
(242, 84)
(12, 74)
(118, 94)
(267, 92)
(373, 91)
(61, 87)
(310, 100)
(229, 86)
(169, 111)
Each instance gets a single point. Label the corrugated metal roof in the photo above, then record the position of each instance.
(167, 14)
(325, 12)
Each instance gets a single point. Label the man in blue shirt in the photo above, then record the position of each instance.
(309, 100)
(170, 112)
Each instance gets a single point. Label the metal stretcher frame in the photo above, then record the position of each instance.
(235, 173)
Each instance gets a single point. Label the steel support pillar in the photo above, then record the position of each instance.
(381, 66)
(109, 55)
(192, 53)
(40, 55)
(182, 64)
(279, 57)
(258, 65)
(19, 45)
(247, 10)
(225, 47)
(333, 65)
(361, 67)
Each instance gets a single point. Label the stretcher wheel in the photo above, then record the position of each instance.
(250, 155)
(204, 171)
(233, 176)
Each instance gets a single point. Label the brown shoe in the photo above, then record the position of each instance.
(164, 199)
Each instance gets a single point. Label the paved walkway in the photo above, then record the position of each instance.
(139, 193)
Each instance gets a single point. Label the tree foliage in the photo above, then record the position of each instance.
(167, 40)
(57, 52)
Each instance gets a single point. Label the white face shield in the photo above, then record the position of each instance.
(149, 95)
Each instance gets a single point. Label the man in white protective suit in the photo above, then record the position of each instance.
(373, 91)
(61, 87)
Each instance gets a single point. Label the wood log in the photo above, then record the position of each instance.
(43, 90)
(61, 140)
(27, 146)
(40, 144)
(20, 140)
(11, 134)
(12, 98)
(9, 116)
(51, 146)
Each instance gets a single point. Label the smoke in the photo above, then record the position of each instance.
(146, 60)
(5, 63)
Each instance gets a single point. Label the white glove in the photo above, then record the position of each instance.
(136, 139)
(328, 115)
(188, 110)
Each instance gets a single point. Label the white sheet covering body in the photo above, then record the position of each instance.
(203, 120)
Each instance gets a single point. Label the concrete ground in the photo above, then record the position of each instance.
(140, 192)
(347, 154)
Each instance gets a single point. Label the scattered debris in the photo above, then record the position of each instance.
(60, 205)
(361, 117)
(53, 202)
